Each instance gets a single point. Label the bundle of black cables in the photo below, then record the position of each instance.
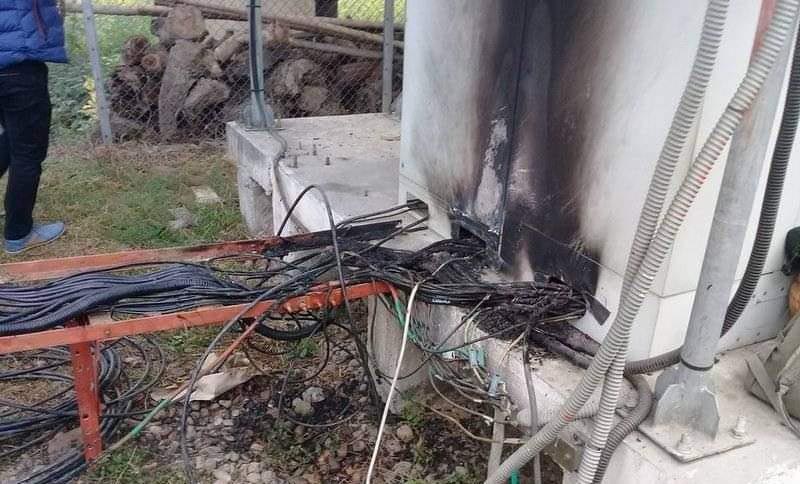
(25, 309)
(24, 425)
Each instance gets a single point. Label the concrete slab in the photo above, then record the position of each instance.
(353, 159)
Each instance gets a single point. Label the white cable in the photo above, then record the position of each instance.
(509, 348)
(396, 377)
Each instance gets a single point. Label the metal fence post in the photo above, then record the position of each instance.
(388, 55)
(261, 115)
(103, 112)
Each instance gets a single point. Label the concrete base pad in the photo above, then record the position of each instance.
(353, 159)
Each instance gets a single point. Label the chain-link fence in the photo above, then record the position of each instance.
(177, 70)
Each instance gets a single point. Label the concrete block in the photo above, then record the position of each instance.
(255, 153)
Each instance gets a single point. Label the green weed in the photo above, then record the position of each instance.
(413, 413)
(190, 341)
(305, 348)
(130, 466)
(370, 9)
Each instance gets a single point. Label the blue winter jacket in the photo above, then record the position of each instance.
(30, 30)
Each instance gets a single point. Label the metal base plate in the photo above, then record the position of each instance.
(699, 444)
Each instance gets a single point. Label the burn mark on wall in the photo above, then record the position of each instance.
(495, 111)
(544, 197)
(473, 185)
(501, 122)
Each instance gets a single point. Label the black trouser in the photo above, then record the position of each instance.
(25, 120)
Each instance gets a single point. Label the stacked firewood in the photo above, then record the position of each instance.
(195, 77)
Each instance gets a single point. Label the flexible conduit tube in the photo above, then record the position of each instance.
(548, 414)
(766, 221)
(626, 425)
(682, 123)
(616, 341)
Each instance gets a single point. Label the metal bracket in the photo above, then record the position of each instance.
(567, 449)
(687, 397)
(686, 421)
(687, 445)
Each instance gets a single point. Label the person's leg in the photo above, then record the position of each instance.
(26, 112)
(5, 150)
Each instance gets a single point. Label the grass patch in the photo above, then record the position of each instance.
(133, 465)
(189, 341)
(413, 413)
(370, 9)
(120, 198)
(305, 348)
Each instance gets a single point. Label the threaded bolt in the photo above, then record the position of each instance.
(739, 430)
(327, 160)
(684, 446)
(314, 150)
(294, 162)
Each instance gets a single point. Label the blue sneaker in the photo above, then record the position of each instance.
(40, 235)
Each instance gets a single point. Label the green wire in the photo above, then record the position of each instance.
(514, 477)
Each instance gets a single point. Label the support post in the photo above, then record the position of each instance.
(87, 393)
(260, 115)
(388, 56)
(103, 113)
(685, 392)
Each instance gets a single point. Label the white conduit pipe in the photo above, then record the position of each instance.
(617, 339)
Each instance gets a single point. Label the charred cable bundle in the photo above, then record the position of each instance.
(175, 286)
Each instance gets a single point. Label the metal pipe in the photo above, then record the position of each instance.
(498, 435)
(103, 112)
(388, 55)
(736, 197)
(261, 117)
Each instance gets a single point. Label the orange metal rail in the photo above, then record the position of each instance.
(83, 337)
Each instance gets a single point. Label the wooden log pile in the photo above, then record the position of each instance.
(189, 82)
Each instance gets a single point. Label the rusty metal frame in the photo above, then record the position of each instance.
(37, 270)
(83, 336)
(84, 367)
